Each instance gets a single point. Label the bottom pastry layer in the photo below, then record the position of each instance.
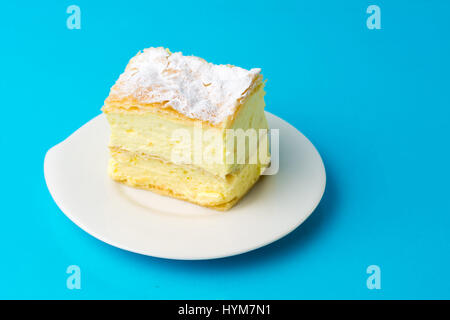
(183, 182)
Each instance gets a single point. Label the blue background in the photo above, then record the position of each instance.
(376, 103)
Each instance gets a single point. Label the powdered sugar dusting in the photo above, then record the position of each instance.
(190, 85)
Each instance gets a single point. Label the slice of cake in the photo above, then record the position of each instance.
(186, 128)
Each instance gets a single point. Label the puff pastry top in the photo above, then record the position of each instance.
(187, 84)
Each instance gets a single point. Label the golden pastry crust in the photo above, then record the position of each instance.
(136, 91)
(131, 105)
(170, 193)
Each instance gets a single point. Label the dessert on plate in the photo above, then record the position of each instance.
(188, 129)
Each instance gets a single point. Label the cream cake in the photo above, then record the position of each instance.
(188, 129)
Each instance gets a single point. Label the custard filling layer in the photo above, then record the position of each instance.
(158, 135)
(185, 182)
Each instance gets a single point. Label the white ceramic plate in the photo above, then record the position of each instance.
(146, 223)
